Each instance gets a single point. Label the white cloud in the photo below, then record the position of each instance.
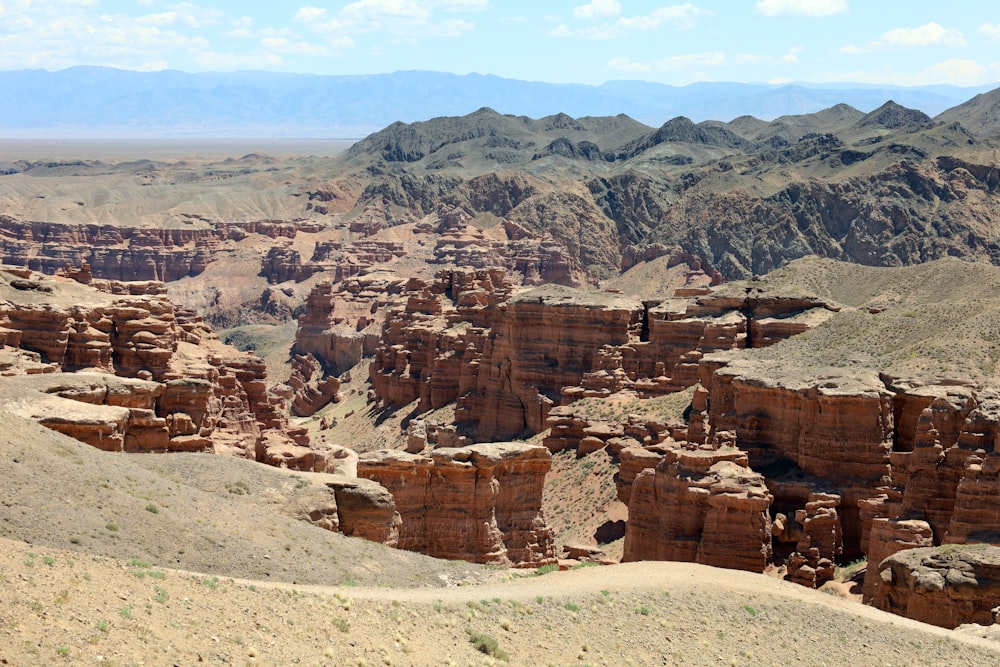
(801, 7)
(450, 28)
(55, 35)
(670, 64)
(299, 48)
(242, 27)
(375, 12)
(403, 18)
(211, 60)
(627, 65)
(929, 34)
(163, 18)
(956, 71)
(598, 9)
(991, 32)
(462, 5)
(309, 14)
(678, 16)
(791, 57)
(155, 66)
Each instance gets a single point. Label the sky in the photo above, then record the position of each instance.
(900, 42)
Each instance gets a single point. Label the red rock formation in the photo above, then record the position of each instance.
(542, 341)
(944, 586)
(976, 516)
(117, 253)
(133, 254)
(281, 264)
(366, 509)
(429, 351)
(337, 340)
(480, 503)
(888, 537)
(703, 506)
(837, 428)
(202, 395)
(821, 542)
(526, 354)
(632, 461)
(311, 390)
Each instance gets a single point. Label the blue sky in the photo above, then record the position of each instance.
(903, 42)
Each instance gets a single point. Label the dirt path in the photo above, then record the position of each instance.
(60, 607)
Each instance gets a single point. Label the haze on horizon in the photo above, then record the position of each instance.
(912, 43)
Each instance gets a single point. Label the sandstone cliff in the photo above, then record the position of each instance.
(703, 506)
(480, 503)
(158, 379)
(945, 586)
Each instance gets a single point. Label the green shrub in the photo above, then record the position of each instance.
(487, 645)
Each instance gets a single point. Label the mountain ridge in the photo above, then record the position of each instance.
(106, 102)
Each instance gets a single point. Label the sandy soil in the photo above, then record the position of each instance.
(62, 607)
(98, 554)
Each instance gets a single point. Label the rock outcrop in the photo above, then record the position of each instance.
(337, 326)
(944, 586)
(311, 390)
(525, 354)
(157, 378)
(703, 506)
(366, 509)
(541, 341)
(480, 503)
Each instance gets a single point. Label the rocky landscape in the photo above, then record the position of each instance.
(760, 346)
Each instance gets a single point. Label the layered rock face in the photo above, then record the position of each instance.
(180, 388)
(945, 586)
(336, 326)
(430, 348)
(480, 503)
(116, 253)
(123, 253)
(525, 354)
(703, 506)
(311, 389)
(366, 509)
(540, 259)
(542, 341)
(837, 430)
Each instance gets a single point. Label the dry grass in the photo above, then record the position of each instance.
(935, 321)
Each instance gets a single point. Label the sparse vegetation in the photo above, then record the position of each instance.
(238, 488)
(848, 571)
(487, 645)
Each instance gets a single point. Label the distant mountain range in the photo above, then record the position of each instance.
(106, 102)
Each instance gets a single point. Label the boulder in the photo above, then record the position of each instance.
(945, 586)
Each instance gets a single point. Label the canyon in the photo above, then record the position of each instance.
(770, 345)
